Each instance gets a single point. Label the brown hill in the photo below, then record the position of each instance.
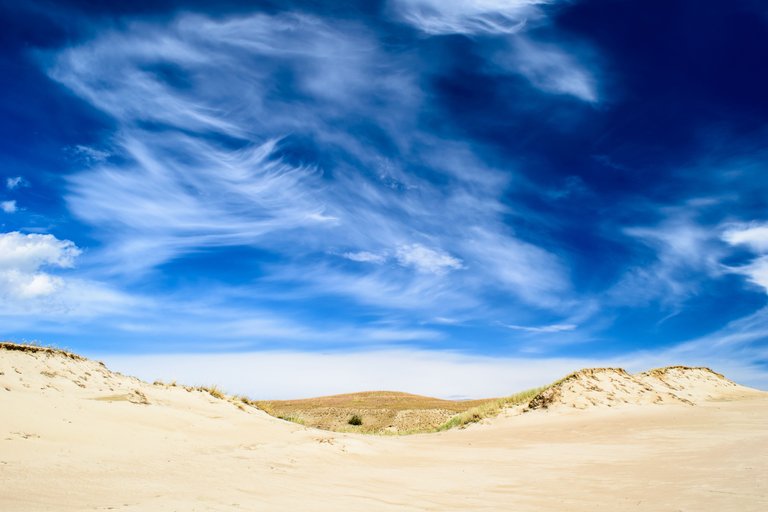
(377, 411)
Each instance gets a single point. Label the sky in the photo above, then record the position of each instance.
(455, 198)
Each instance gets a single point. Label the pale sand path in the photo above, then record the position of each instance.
(61, 450)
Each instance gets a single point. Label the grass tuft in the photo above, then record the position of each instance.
(489, 409)
(214, 391)
(293, 419)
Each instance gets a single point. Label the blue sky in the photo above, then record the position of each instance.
(438, 196)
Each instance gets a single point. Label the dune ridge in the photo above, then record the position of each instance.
(47, 370)
(610, 387)
(50, 369)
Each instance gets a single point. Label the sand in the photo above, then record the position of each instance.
(74, 436)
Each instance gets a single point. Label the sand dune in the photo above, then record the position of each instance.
(610, 387)
(75, 436)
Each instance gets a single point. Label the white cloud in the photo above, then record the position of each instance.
(756, 271)
(542, 329)
(522, 269)
(28, 285)
(14, 182)
(424, 259)
(439, 17)
(90, 154)
(203, 193)
(8, 206)
(684, 253)
(753, 235)
(550, 68)
(23, 256)
(223, 199)
(365, 257)
(29, 252)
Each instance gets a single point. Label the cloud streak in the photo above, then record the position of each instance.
(753, 236)
(546, 65)
(542, 329)
(441, 17)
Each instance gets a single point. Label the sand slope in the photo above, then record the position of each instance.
(609, 387)
(75, 437)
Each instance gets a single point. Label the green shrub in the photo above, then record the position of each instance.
(355, 420)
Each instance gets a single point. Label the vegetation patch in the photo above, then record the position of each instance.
(490, 409)
(33, 348)
(389, 412)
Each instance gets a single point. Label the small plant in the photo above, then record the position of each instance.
(489, 409)
(293, 419)
(214, 391)
(355, 420)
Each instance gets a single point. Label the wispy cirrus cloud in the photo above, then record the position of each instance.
(683, 253)
(547, 65)
(550, 68)
(440, 17)
(753, 236)
(182, 192)
(542, 328)
(365, 257)
(207, 155)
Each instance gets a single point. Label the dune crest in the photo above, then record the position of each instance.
(609, 387)
(45, 371)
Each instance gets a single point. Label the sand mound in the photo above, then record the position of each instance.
(600, 387)
(693, 383)
(609, 387)
(48, 371)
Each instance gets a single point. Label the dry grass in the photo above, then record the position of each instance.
(367, 400)
(293, 419)
(214, 391)
(489, 409)
(33, 347)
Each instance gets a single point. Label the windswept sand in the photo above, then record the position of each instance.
(74, 436)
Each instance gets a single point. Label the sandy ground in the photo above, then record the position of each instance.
(74, 436)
